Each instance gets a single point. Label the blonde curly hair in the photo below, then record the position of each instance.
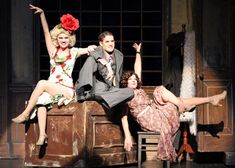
(58, 29)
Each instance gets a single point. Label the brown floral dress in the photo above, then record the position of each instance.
(157, 115)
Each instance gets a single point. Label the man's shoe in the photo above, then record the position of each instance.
(81, 99)
(85, 96)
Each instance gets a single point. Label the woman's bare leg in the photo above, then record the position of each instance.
(43, 86)
(185, 104)
(42, 119)
(195, 101)
(168, 96)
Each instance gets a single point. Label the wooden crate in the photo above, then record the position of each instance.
(79, 135)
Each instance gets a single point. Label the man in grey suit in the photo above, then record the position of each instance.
(100, 75)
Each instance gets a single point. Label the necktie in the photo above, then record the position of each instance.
(110, 61)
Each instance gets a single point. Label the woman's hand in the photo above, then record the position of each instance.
(102, 61)
(110, 74)
(91, 48)
(137, 47)
(128, 143)
(35, 9)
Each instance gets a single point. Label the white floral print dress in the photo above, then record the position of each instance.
(61, 69)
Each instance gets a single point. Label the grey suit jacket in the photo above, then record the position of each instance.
(90, 79)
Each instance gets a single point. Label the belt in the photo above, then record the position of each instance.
(143, 111)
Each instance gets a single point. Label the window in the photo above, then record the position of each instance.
(129, 20)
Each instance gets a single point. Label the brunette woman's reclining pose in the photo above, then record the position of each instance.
(160, 113)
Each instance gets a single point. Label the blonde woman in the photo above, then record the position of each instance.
(59, 42)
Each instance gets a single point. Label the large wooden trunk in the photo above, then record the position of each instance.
(80, 135)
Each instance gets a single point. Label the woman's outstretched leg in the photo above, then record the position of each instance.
(185, 104)
(195, 101)
(42, 86)
(38, 90)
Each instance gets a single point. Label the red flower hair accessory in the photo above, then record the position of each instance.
(68, 22)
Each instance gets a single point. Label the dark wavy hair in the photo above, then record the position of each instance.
(124, 79)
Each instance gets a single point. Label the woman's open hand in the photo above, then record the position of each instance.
(35, 9)
(91, 48)
(128, 143)
(137, 47)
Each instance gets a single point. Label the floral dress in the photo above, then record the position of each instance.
(61, 69)
(157, 115)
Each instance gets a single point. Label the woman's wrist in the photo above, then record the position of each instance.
(88, 51)
(128, 136)
(41, 13)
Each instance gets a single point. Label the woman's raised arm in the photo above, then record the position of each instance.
(49, 44)
(138, 61)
